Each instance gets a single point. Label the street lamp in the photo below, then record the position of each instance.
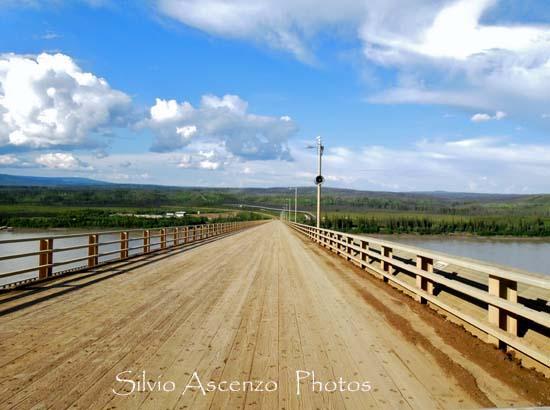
(319, 179)
(289, 208)
(295, 203)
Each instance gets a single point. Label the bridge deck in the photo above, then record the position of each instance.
(257, 305)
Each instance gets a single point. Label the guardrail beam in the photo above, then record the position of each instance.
(503, 309)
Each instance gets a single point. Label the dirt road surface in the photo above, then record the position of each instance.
(259, 305)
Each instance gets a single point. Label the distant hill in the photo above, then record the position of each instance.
(87, 192)
(18, 180)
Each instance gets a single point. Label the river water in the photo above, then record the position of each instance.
(12, 265)
(532, 255)
(525, 254)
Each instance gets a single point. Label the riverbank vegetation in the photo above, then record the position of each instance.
(351, 210)
(402, 223)
(45, 217)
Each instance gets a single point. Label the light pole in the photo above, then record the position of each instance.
(319, 179)
(295, 203)
(289, 208)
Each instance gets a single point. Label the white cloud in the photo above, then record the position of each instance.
(282, 24)
(482, 117)
(60, 160)
(481, 164)
(186, 132)
(48, 100)
(208, 160)
(6, 160)
(447, 47)
(231, 102)
(224, 120)
(457, 57)
(452, 30)
(50, 35)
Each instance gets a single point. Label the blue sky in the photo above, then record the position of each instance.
(407, 95)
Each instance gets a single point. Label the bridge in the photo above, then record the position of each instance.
(274, 315)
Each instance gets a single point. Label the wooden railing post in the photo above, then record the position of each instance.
(364, 256)
(176, 236)
(506, 289)
(163, 238)
(124, 245)
(45, 258)
(427, 265)
(146, 241)
(93, 250)
(386, 266)
(349, 241)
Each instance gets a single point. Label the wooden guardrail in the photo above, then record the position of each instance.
(500, 297)
(48, 257)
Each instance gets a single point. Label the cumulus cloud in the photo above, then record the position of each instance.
(48, 100)
(448, 47)
(224, 120)
(458, 57)
(200, 160)
(482, 117)
(61, 160)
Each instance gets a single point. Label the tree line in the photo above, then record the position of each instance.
(487, 226)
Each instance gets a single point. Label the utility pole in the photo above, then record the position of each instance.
(289, 208)
(295, 202)
(319, 179)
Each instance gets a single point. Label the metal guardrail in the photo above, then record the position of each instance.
(501, 298)
(169, 238)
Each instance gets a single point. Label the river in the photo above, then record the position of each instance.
(33, 246)
(532, 255)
